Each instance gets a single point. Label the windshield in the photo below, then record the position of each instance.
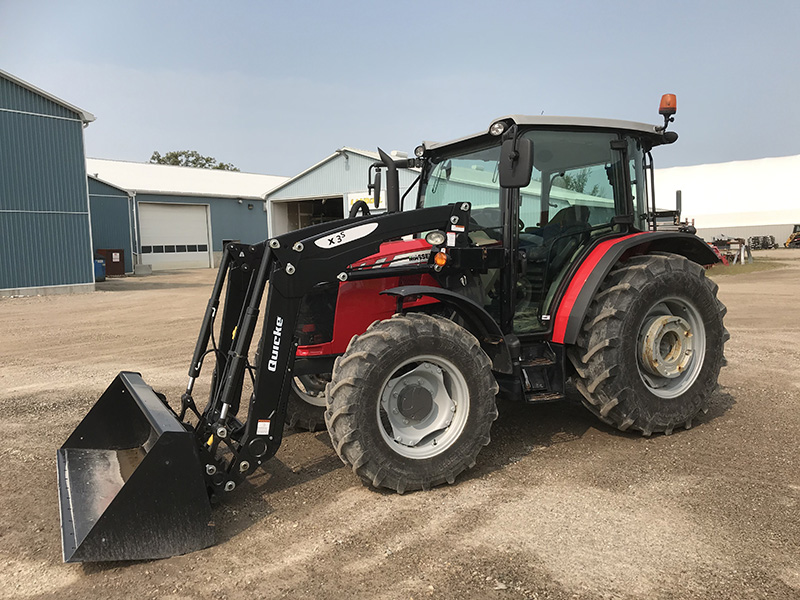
(577, 174)
(469, 177)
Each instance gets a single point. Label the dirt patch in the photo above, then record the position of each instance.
(558, 506)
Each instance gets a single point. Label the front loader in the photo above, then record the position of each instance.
(534, 256)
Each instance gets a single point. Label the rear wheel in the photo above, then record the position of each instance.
(651, 346)
(411, 402)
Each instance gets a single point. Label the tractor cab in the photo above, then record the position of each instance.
(587, 181)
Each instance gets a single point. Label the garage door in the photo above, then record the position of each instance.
(175, 236)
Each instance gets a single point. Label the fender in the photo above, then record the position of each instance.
(598, 262)
(477, 321)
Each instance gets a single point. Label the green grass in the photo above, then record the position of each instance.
(760, 264)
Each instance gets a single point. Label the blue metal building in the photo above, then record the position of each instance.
(45, 237)
(172, 217)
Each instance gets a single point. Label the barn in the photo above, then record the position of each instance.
(170, 217)
(45, 235)
(327, 190)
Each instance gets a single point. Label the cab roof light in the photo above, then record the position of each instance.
(669, 105)
(497, 128)
(667, 108)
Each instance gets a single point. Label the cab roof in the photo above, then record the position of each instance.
(654, 132)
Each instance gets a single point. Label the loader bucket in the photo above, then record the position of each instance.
(130, 481)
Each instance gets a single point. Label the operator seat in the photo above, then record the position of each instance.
(557, 242)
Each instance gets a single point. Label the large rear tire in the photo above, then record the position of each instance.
(411, 402)
(651, 346)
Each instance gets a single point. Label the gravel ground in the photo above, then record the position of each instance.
(558, 506)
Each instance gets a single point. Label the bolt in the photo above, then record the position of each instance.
(465, 206)
(210, 469)
(289, 269)
(395, 411)
(342, 276)
(454, 219)
(230, 486)
(222, 432)
(405, 421)
(274, 244)
(243, 466)
(298, 247)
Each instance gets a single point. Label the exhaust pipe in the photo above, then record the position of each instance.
(392, 183)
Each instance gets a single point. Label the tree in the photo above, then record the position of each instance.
(578, 181)
(190, 158)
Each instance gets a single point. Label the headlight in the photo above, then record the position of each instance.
(419, 151)
(435, 238)
(497, 128)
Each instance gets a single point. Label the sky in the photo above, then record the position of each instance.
(275, 87)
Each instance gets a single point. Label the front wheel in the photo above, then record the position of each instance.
(411, 402)
(651, 346)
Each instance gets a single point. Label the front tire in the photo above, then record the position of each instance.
(411, 402)
(651, 347)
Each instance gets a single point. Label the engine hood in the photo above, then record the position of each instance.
(397, 253)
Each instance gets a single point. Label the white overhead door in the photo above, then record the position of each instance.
(175, 236)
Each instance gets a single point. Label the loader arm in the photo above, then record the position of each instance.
(292, 264)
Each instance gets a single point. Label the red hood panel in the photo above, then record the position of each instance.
(397, 253)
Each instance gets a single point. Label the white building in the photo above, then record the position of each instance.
(738, 199)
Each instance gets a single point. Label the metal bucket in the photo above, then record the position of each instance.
(130, 481)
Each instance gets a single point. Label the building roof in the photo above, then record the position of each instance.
(341, 151)
(148, 178)
(85, 115)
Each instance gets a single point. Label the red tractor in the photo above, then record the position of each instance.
(533, 257)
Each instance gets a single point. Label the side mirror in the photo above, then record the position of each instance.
(377, 187)
(516, 162)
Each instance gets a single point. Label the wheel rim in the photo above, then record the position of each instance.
(310, 388)
(424, 406)
(671, 347)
